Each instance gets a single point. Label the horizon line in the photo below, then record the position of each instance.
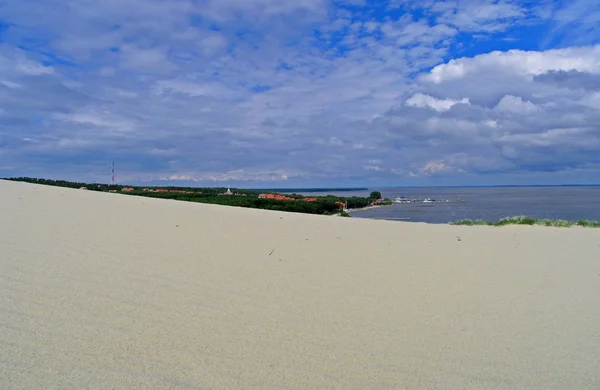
(333, 188)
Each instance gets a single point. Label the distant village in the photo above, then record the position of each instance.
(325, 205)
(228, 192)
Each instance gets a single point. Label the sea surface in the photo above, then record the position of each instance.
(489, 203)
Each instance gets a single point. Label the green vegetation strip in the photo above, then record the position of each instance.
(324, 205)
(523, 220)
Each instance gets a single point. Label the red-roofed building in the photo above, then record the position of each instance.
(274, 196)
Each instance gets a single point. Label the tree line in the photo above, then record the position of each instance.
(244, 198)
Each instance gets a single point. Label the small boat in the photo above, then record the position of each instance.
(401, 199)
(404, 199)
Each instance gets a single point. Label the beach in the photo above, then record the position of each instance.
(365, 208)
(102, 290)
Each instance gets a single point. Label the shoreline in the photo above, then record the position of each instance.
(350, 211)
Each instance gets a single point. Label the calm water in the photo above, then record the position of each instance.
(569, 203)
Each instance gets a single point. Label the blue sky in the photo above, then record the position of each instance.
(311, 93)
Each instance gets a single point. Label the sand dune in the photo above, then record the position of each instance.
(111, 291)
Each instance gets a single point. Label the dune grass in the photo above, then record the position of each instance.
(524, 220)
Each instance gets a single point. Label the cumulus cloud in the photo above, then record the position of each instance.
(420, 100)
(537, 113)
(518, 62)
(516, 105)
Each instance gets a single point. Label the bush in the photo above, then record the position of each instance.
(530, 221)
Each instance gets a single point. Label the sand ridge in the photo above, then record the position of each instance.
(105, 290)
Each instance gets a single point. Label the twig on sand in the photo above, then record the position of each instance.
(272, 250)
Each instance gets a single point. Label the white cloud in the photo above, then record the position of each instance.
(437, 167)
(31, 69)
(517, 105)
(420, 100)
(484, 15)
(414, 33)
(179, 178)
(193, 89)
(374, 168)
(584, 59)
(235, 175)
(153, 59)
(474, 16)
(514, 120)
(105, 120)
(576, 137)
(222, 9)
(592, 100)
(336, 141)
(10, 84)
(213, 43)
(16, 62)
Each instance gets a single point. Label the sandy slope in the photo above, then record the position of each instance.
(111, 291)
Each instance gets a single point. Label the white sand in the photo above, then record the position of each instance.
(105, 290)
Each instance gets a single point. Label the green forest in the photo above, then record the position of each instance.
(327, 204)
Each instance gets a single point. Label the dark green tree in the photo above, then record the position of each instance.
(375, 195)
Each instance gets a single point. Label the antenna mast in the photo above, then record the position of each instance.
(113, 173)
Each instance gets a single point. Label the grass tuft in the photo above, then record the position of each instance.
(588, 223)
(530, 221)
(471, 222)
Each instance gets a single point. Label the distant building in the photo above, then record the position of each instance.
(228, 192)
(127, 189)
(83, 188)
(274, 196)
